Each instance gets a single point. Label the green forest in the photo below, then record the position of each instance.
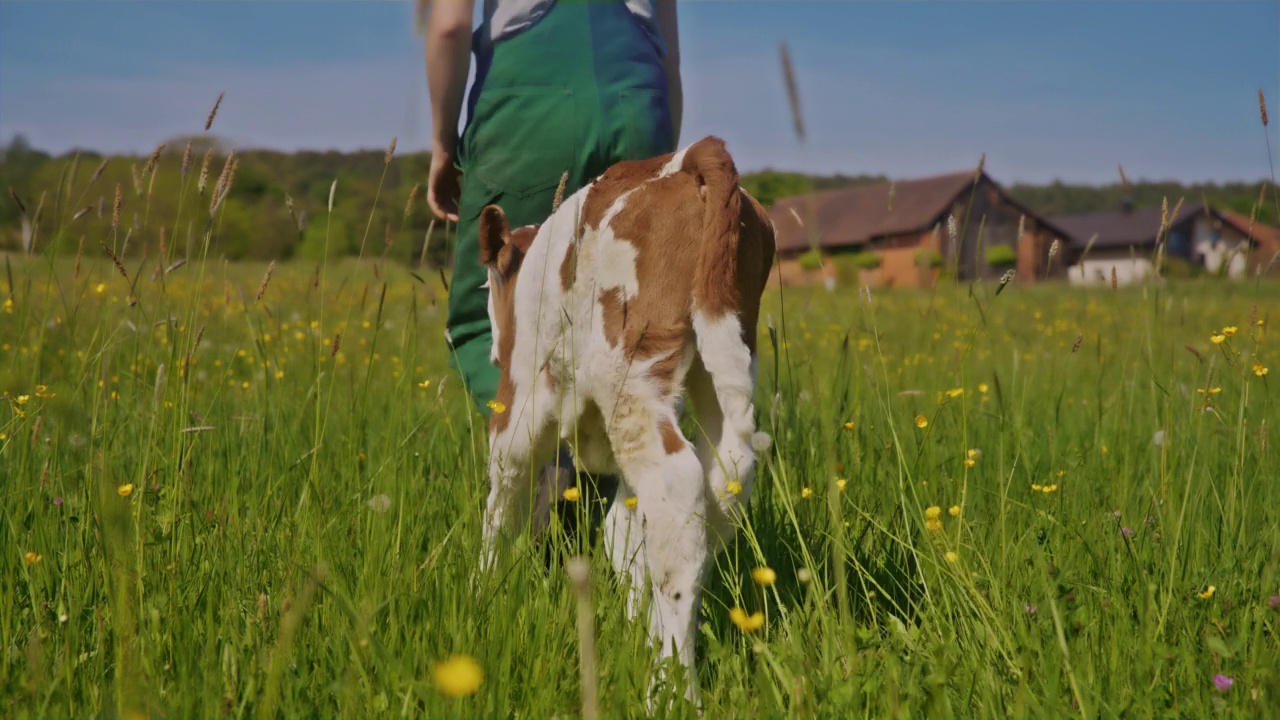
(276, 208)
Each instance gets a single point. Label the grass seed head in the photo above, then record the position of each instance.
(115, 207)
(17, 200)
(413, 197)
(154, 160)
(204, 171)
(97, 172)
(266, 280)
(208, 123)
(559, 196)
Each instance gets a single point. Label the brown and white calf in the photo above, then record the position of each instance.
(643, 285)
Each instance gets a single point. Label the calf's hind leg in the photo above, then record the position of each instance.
(663, 470)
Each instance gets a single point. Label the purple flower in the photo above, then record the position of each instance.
(58, 501)
(1223, 682)
(1126, 531)
(1274, 602)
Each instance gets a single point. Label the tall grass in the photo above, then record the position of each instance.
(246, 490)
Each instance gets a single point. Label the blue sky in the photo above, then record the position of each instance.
(1064, 89)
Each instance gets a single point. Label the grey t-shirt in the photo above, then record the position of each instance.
(505, 18)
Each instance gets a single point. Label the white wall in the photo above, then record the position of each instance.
(1229, 248)
(1097, 271)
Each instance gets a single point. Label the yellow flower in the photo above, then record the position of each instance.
(42, 391)
(970, 462)
(1209, 391)
(1208, 593)
(22, 399)
(1229, 330)
(933, 525)
(1259, 369)
(841, 483)
(32, 558)
(8, 305)
(733, 487)
(101, 288)
(1035, 487)
(746, 623)
(458, 676)
(631, 502)
(921, 421)
(125, 490)
(1050, 488)
(955, 392)
(933, 512)
(764, 576)
(951, 556)
(849, 425)
(1217, 339)
(973, 453)
(806, 493)
(424, 384)
(982, 388)
(572, 494)
(497, 406)
(954, 511)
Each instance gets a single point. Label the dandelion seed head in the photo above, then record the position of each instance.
(380, 503)
(761, 441)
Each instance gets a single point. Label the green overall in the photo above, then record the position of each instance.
(581, 89)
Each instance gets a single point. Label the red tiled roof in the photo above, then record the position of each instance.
(1267, 237)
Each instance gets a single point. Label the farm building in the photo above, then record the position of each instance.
(902, 227)
(1124, 242)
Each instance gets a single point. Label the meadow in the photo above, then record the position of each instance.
(234, 489)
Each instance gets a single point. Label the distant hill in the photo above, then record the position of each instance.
(256, 221)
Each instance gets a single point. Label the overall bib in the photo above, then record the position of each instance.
(581, 89)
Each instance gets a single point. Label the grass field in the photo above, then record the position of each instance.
(227, 500)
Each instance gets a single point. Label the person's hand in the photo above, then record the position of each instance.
(444, 187)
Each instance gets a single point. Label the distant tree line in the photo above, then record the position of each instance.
(277, 207)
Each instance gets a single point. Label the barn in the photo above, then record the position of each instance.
(898, 231)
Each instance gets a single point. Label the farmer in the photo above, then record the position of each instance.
(560, 86)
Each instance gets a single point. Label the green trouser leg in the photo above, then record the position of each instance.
(577, 92)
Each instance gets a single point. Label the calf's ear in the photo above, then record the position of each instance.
(494, 233)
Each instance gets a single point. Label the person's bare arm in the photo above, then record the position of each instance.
(448, 58)
(669, 27)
